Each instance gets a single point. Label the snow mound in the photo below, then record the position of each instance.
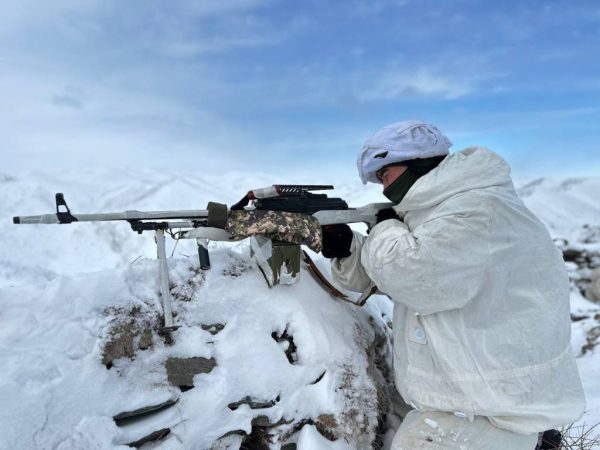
(283, 360)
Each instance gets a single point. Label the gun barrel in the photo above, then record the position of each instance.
(43, 219)
(102, 217)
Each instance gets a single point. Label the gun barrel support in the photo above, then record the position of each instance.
(164, 279)
(203, 254)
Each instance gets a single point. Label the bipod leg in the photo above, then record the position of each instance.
(203, 254)
(164, 281)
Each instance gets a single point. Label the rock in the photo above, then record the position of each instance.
(232, 433)
(265, 422)
(592, 291)
(212, 328)
(319, 378)
(290, 346)
(253, 404)
(122, 417)
(328, 427)
(120, 343)
(145, 339)
(130, 330)
(578, 318)
(258, 439)
(229, 441)
(181, 371)
(573, 255)
(389, 402)
(155, 436)
(592, 337)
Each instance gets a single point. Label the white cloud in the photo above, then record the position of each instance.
(422, 82)
(570, 112)
(374, 7)
(95, 125)
(26, 14)
(188, 28)
(189, 48)
(205, 8)
(91, 90)
(181, 39)
(67, 100)
(23, 13)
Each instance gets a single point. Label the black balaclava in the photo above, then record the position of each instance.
(416, 168)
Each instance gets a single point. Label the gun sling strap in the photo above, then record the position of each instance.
(326, 284)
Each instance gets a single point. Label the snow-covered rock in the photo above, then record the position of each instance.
(64, 392)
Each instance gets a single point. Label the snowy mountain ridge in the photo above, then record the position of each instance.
(563, 204)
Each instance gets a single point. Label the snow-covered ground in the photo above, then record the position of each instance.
(289, 358)
(62, 396)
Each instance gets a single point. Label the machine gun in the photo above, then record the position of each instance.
(272, 256)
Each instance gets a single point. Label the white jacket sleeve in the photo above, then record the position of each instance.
(441, 265)
(349, 272)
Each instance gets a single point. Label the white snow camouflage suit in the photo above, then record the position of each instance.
(481, 299)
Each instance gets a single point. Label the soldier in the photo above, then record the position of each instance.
(481, 296)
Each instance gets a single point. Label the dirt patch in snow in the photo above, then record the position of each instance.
(130, 331)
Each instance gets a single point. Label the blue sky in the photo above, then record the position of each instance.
(283, 86)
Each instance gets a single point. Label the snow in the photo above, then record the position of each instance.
(61, 390)
(62, 288)
(431, 423)
(310, 439)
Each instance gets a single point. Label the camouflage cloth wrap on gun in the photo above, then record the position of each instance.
(278, 225)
